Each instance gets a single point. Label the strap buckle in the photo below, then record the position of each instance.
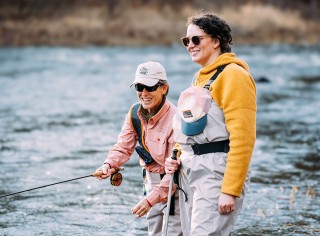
(196, 149)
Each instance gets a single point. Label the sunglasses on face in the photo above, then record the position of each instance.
(140, 87)
(195, 40)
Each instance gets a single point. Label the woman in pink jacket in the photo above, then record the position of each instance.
(154, 115)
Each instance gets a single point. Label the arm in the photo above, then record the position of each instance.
(161, 191)
(121, 151)
(158, 194)
(235, 93)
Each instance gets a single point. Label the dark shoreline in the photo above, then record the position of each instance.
(148, 23)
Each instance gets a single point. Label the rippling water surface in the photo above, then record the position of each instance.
(61, 110)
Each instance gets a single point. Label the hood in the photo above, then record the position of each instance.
(223, 59)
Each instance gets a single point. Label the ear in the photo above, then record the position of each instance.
(165, 88)
(216, 43)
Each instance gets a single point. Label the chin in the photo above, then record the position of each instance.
(146, 107)
(196, 60)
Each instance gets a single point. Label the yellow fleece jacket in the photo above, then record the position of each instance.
(234, 91)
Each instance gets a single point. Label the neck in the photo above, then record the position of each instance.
(147, 114)
(212, 58)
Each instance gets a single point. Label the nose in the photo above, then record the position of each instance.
(190, 45)
(144, 91)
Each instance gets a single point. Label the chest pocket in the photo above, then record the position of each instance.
(157, 137)
(157, 142)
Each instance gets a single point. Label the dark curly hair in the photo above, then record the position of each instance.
(214, 26)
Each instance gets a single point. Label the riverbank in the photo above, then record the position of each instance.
(144, 25)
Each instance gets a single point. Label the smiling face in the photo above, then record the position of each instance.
(151, 100)
(206, 51)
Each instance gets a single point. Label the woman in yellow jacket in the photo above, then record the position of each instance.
(215, 128)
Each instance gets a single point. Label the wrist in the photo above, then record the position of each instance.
(148, 203)
(106, 163)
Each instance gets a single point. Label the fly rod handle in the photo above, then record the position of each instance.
(174, 154)
(113, 170)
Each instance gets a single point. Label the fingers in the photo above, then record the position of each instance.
(225, 210)
(171, 165)
(141, 208)
(105, 169)
(226, 204)
(102, 177)
(98, 176)
(140, 212)
(135, 209)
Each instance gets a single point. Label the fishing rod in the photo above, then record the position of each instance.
(174, 157)
(115, 180)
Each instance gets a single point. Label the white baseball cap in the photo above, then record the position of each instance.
(149, 74)
(193, 106)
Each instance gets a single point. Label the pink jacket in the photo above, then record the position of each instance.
(158, 139)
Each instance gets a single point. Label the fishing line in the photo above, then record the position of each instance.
(109, 224)
(115, 191)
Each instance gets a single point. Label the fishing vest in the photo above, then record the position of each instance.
(203, 143)
(137, 126)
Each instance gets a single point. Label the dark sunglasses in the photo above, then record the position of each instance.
(195, 39)
(140, 87)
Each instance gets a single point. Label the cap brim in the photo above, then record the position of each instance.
(194, 128)
(145, 81)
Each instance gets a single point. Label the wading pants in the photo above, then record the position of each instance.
(156, 216)
(201, 178)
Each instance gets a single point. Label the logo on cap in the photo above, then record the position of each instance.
(144, 71)
(187, 114)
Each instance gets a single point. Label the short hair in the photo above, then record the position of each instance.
(214, 26)
(162, 82)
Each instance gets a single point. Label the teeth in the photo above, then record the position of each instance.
(193, 53)
(146, 100)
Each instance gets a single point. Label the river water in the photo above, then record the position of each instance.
(61, 110)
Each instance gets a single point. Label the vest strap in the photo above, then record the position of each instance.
(215, 75)
(220, 146)
(141, 149)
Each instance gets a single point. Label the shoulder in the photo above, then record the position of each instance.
(168, 111)
(135, 106)
(235, 69)
(134, 118)
(235, 75)
(171, 106)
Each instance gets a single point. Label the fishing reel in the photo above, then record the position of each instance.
(116, 179)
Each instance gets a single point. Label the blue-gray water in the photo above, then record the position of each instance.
(61, 110)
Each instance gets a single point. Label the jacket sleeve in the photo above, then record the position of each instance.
(121, 152)
(161, 191)
(235, 93)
